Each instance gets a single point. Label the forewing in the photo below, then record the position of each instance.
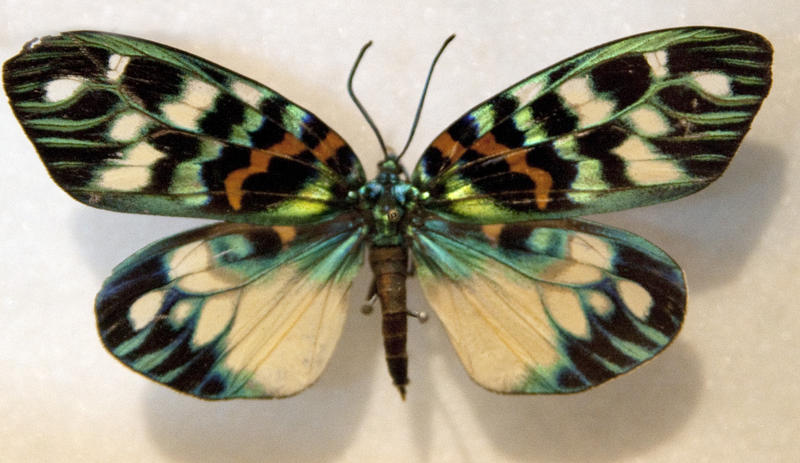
(232, 310)
(645, 119)
(550, 306)
(130, 125)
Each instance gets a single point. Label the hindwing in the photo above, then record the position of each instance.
(232, 310)
(549, 306)
(130, 125)
(637, 121)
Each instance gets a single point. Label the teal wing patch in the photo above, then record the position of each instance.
(549, 306)
(130, 125)
(233, 310)
(641, 120)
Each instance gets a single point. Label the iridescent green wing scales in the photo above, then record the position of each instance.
(548, 306)
(641, 120)
(233, 310)
(130, 125)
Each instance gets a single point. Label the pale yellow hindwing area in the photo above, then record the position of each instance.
(232, 310)
(495, 336)
(522, 314)
(285, 331)
(285, 323)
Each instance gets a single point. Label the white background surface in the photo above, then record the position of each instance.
(727, 390)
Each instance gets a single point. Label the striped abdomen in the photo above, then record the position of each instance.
(390, 266)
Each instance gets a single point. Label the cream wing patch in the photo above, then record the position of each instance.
(526, 92)
(636, 298)
(564, 306)
(116, 66)
(644, 165)
(141, 155)
(143, 311)
(181, 312)
(285, 331)
(252, 326)
(648, 121)
(497, 325)
(541, 307)
(713, 83)
(590, 250)
(217, 314)
(657, 61)
(247, 93)
(590, 107)
(126, 178)
(197, 98)
(63, 88)
(128, 126)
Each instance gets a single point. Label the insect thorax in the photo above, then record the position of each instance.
(387, 203)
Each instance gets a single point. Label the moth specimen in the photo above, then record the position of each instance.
(533, 299)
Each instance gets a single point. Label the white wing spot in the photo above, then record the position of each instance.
(648, 121)
(199, 94)
(61, 89)
(590, 250)
(578, 95)
(653, 172)
(247, 93)
(33, 44)
(601, 304)
(181, 114)
(644, 166)
(564, 306)
(214, 318)
(189, 258)
(636, 298)
(180, 312)
(527, 92)
(128, 126)
(194, 266)
(572, 273)
(658, 62)
(142, 154)
(594, 112)
(125, 178)
(635, 149)
(143, 311)
(216, 279)
(116, 66)
(197, 98)
(576, 92)
(713, 83)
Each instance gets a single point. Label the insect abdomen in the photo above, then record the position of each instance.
(390, 264)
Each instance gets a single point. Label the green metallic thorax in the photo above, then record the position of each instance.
(387, 203)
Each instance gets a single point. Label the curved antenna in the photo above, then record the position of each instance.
(358, 103)
(424, 92)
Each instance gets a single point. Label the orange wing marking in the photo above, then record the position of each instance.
(259, 164)
(328, 146)
(542, 179)
(488, 146)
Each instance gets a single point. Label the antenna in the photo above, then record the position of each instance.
(358, 103)
(424, 92)
(419, 106)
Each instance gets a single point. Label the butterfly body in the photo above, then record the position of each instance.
(534, 299)
(388, 211)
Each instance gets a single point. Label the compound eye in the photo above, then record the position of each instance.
(404, 193)
(372, 191)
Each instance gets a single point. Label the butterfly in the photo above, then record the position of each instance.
(534, 299)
